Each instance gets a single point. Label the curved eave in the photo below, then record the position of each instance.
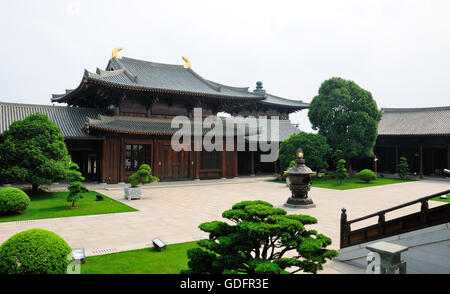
(87, 80)
(293, 107)
(89, 127)
(157, 90)
(64, 98)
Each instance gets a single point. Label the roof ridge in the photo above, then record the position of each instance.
(203, 80)
(243, 89)
(44, 105)
(149, 62)
(416, 109)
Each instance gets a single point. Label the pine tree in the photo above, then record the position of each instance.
(143, 176)
(75, 184)
(403, 168)
(341, 171)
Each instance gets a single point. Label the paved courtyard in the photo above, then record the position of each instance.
(173, 211)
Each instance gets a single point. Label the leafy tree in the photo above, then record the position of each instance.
(258, 242)
(143, 176)
(341, 171)
(403, 168)
(75, 184)
(314, 146)
(33, 152)
(347, 116)
(291, 164)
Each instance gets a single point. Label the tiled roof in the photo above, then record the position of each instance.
(144, 75)
(275, 100)
(71, 120)
(415, 121)
(156, 126)
(285, 130)
(137, 74)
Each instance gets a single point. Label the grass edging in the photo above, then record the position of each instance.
(49, 205)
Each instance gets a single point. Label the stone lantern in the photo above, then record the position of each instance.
(300, 183)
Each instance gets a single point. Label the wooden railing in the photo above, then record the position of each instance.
(424, 218)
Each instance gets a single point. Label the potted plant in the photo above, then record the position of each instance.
(142, 176)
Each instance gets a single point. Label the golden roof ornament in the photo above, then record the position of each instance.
(115, 53)
(188, 62)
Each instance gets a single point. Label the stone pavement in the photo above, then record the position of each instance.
(173, 211)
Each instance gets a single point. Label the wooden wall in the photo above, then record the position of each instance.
(166, 164)
(111, 160)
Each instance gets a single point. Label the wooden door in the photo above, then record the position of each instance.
(173, 165)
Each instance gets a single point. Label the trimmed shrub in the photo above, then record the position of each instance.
(75, 184)
(367, 175)
(13, 200)
(341, 171)
(142, 176)
(34, 251)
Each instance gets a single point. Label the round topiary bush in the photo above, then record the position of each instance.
(13, 200)
(34, 251)
(367, 175)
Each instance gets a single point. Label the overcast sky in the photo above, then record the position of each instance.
(397, 50)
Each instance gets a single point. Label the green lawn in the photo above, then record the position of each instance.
(442, 200)
(54, 204)
(354, 182)
(142, 261)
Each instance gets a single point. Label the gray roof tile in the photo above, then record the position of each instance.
(71, 120)
(145, 75)
(415, 121)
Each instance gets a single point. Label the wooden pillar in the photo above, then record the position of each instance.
(122, 161)
(396, 158)
(432, 161)
(421, 159)
(448, 156)
(104, 163)
(252, 163)
(197, 165)
(224, 163)
(156, 168)
(344, 229)
(235, 163)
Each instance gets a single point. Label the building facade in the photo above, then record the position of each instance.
(119, 118)
(421, 135)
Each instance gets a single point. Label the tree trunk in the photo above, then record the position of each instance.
(349, 168)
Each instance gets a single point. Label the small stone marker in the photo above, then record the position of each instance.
(444, 197)
(78, 254)
(385, 258)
